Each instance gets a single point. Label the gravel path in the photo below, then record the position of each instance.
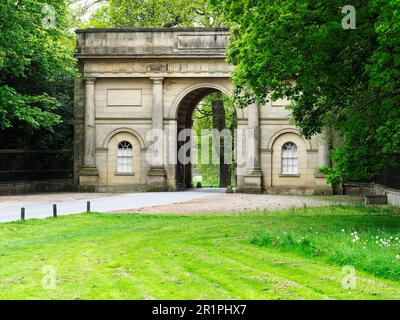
(188, 202)
(233, 203)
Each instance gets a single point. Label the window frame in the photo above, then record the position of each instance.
(127, 160)
(292, 161)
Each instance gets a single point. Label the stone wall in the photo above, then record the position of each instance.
(142, 79)
(372, 189)
(22, 187)
(359, 189)
(393, 195)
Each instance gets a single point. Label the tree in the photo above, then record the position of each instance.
(145, 14)
(215, 111)
(35, 58)
(219, 123)
(163, 13)
(89, 13)
(345, 78)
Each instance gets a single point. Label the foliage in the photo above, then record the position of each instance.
(346, 79)
(333, 176)
(152, 14)
(100, 18)
(90, 13)
(34, 56)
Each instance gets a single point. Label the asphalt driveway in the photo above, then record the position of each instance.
(41, 206)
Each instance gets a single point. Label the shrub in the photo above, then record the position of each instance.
(198, 185)
(229, 189)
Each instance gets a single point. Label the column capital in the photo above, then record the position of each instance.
(89, 80)
(157, 80)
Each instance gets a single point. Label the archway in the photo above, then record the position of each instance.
(189, 106)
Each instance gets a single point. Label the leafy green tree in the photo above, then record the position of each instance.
(348, 79)
(36, 57)
(145, 14)
(89, 13)
(163, 13)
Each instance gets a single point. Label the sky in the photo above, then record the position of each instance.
(85, 3)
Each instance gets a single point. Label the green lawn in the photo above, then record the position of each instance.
(294, 254)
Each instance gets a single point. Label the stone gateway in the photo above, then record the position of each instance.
(133, 81)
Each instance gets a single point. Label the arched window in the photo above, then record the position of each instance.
(124, 157)
(290, 162)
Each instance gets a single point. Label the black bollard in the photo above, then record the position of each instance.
(22, 214)
(54, 211)
(88, 206)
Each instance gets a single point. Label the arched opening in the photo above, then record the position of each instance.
(211, 115)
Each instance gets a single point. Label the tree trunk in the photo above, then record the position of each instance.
(219, 123)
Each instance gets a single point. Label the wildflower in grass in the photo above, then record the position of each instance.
(355, 237)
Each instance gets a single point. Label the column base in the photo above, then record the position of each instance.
(252, 182)
(88, 178)
(321, 185)
(157, 179)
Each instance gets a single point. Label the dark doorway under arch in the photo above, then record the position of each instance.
(184, 172)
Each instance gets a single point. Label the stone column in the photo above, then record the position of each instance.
(158, 103)
(172, 153)
(323, 152)
(90, 129)
(88, 173)
(321, 185)
(157, 175)
(254, 126)
(253, 180)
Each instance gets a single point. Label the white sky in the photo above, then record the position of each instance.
(84, 3)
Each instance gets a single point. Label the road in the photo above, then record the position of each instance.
(41, 206)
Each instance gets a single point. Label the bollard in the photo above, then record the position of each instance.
(88, 206)
(54, 211)
(22, 214)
